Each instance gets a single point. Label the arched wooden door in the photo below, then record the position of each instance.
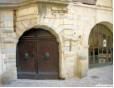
(37, 55)
(100, 46)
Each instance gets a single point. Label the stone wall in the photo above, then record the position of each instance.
(106, 3)
(7, 46)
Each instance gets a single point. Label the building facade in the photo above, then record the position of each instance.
(52, 39)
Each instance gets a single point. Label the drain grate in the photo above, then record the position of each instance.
(94, 77)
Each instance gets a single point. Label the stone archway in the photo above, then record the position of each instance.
(59, 47)
(100, 45)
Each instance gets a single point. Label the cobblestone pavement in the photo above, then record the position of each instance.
(99, 76)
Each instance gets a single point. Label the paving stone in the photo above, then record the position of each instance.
(97, 77)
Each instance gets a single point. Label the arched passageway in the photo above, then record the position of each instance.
(37, 55)
(100, 46)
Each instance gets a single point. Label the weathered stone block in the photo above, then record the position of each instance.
(28, 17)
(68, 22)
(6, 19)
(9, 76)
(107, 3)
(27, 11)
(69, 66)
(8, 37)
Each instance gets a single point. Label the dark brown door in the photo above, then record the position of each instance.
(37, 56)
(26, 59)
(48, 58)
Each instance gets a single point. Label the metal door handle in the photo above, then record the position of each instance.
(26, 55)
(46, 56)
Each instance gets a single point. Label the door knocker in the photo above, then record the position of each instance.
(46, 56)
(26, 56)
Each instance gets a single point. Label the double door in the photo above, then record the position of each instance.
(37, 59)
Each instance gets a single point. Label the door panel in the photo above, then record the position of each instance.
(48, 57)
(26, 56)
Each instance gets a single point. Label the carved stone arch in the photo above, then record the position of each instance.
(100, 53)
(108, 24)
(58, 39)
